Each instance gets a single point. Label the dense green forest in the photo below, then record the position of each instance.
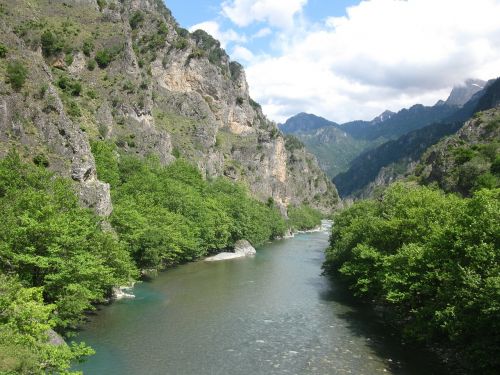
(57, 259)
(431, 260)
(168, 215)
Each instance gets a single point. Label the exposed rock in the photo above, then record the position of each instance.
(122, 292)
(242, 249)
(165, 92)
(54, 338)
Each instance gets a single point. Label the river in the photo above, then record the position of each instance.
(269, 314)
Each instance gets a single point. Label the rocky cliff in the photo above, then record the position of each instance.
(124, 71)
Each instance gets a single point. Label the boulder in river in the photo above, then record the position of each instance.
(242, 248)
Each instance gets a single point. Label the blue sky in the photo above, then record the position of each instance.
(351, 59)
(189, 13)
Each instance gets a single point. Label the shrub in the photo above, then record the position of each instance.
(51, 45)
(41, 160)
(181, 43)
(91, 65)
(101, 4)
(88, 47)
(103, 58)
(16, 74)
(3, 51)
(70, 85)
(73, 109)
(68, 59)
(136, 19)
(292, 143)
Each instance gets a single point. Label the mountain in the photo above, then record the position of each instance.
(397, 124)
(305, 122)
(332, 146)
(395, 159)
(463, 93)
(468, 160)
(336, 146)
(126, 73)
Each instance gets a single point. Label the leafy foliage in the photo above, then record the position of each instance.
(25, 321)
(136, 19)
(50, 242)
(433, 260)
(169, 215)
(3, 51)
(69, 85)
(16, 74)
(51, 44)
(303, 217)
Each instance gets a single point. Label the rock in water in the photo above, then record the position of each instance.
(244, 247)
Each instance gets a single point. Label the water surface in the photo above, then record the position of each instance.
(270, 314)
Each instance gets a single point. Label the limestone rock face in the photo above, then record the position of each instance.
(164, 92)
(244, 247)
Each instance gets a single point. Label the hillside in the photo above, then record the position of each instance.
(127, 73)
(468, 160)
(396, 158)
(329, 142)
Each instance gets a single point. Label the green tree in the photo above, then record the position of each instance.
(16, 74)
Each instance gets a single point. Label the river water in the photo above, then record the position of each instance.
(269, 314)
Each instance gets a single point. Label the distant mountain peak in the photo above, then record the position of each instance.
(384, 116)
(461, 94)
(305, 122)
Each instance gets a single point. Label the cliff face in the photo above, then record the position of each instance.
(127, 73)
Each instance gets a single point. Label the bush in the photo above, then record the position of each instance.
(88, 47)
(101, 4)
(181, 43)
(51, 45)
(16, 74)
(136, 19)
(103, 58)
(91, 65)
(70, 85)
(73, 109)
(3, 51)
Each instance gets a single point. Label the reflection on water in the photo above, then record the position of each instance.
(270, 314)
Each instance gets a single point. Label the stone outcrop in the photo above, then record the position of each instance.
(242, 249)
(164, 92)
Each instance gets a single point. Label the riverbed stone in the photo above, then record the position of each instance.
(242, 249)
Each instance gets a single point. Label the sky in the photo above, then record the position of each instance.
(349, 59)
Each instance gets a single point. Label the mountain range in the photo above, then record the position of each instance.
(362, 154)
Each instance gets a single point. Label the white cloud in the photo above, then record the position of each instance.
(224, 37)
(262, 33)
(277, 13)
(385, 54)
(241, 53)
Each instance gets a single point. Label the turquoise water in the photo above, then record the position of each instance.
(270, 314)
